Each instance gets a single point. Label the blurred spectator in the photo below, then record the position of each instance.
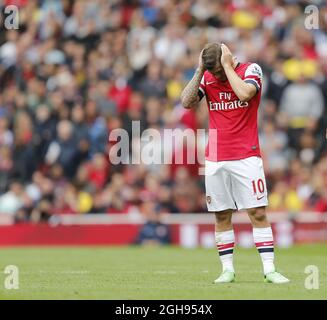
(274, 146)
(12, 200)
(284, 198)
(153, 232)
(301, 106)
(64, 150)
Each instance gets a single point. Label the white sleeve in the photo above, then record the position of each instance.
(253, 74)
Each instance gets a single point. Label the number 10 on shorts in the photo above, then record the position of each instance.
(258, 185)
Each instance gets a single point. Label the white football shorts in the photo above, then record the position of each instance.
(235, 184)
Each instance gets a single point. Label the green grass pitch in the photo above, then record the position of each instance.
(155, 273)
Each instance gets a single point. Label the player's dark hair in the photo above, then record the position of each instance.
(211, 56)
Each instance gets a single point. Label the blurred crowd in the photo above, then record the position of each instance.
(76, 70)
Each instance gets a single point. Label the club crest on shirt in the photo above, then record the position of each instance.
(209, 199)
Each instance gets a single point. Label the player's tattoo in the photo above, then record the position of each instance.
(189, 95)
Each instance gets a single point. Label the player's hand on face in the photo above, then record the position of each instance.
(201, 67)
(227, 58)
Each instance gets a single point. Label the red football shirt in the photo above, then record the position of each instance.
(233, 130)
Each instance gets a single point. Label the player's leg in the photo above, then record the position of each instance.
(264, 241)
(263, 237)
(250, 193)
(224, 235)
(220, 201)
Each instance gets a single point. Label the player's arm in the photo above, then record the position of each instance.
(244, 90)
(191, 94)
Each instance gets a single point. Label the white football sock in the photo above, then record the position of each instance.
(225, 245)
(264, 241)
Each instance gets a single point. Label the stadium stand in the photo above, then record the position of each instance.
(76, 70)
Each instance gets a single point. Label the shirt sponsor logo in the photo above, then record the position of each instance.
(229, 105)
